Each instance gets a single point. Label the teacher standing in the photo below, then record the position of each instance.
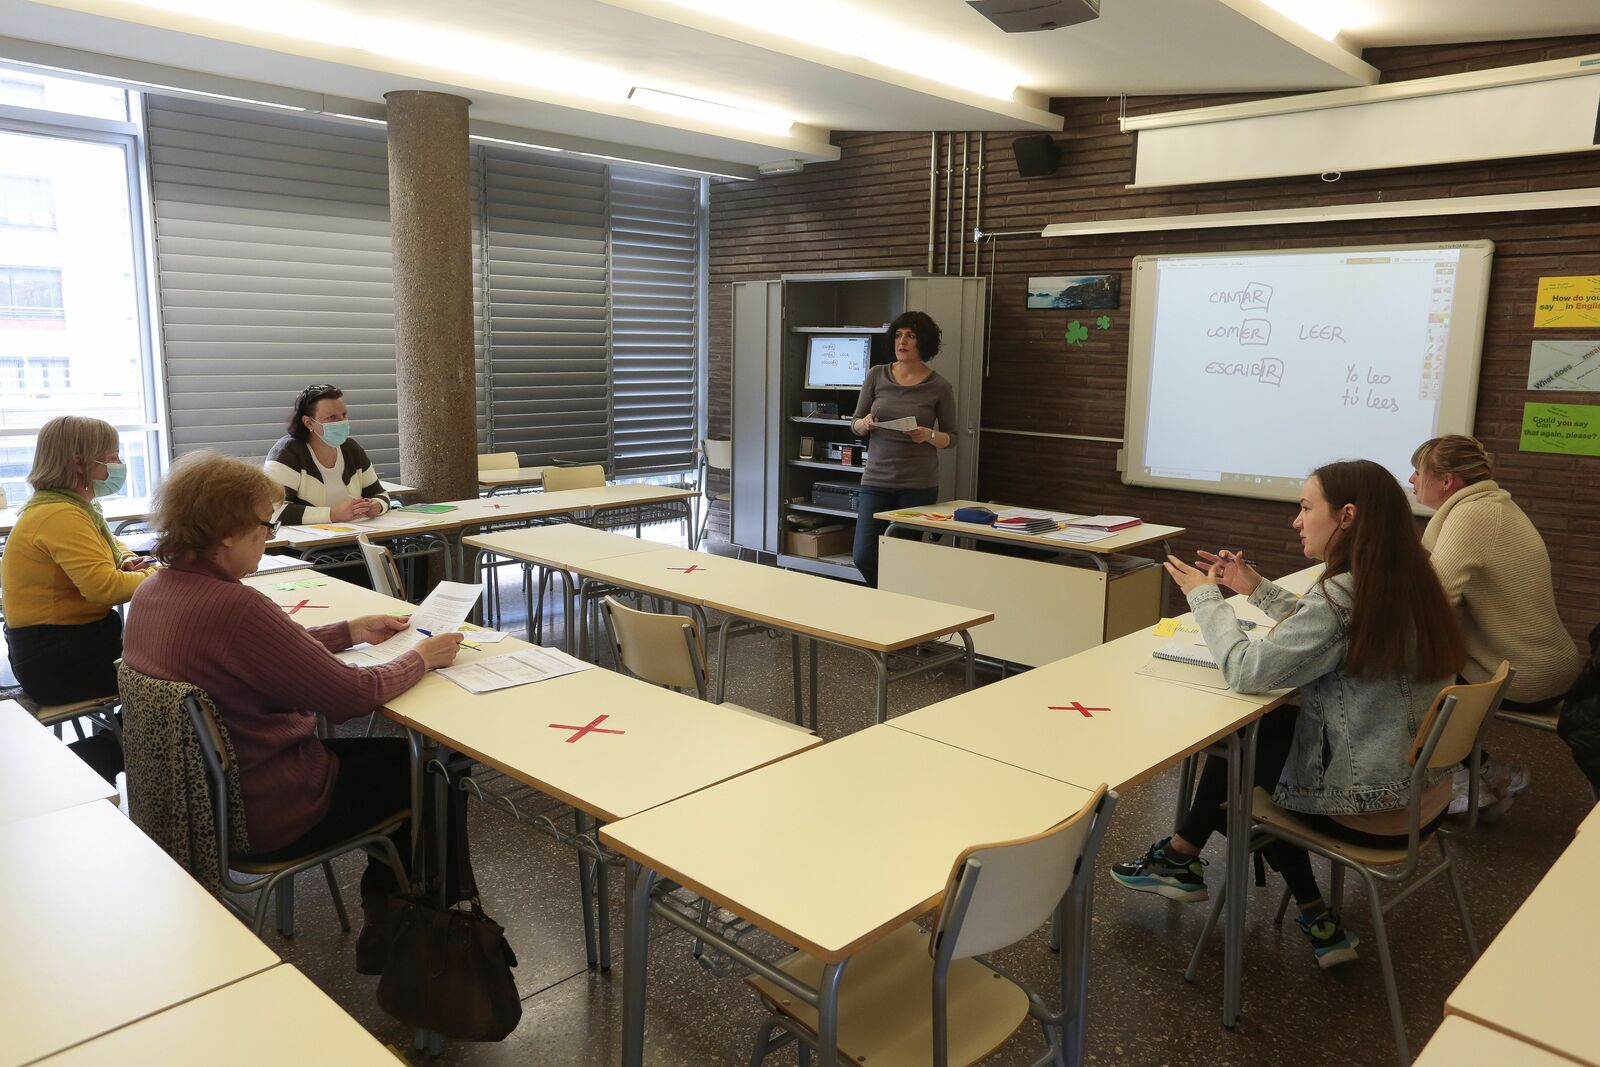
(902, 465)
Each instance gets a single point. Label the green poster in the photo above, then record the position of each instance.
(1569, 429)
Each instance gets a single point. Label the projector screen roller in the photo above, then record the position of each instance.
(1247, 370)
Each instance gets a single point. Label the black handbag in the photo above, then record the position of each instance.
(449, 971)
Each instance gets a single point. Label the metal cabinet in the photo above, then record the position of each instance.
(772, 322)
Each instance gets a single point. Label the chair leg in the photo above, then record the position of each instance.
(765, 1045)
(286, 907)
(1380, 934)
(1336, 882)
(1283, 906)
(1205, 934)
(1461, 899)
(338, 899)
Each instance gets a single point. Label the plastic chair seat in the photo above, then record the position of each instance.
(1265, 812)
(249, 865)
(884, 1019)
(766, 718)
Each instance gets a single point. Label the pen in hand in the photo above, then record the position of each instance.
(464, 641)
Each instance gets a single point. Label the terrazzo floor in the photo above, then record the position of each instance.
(1141, 1011)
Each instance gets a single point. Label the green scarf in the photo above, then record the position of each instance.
(59, 496)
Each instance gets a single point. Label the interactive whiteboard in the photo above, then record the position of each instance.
(1247, 370)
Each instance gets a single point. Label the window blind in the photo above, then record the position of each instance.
(545, 235)
(655, 263)
(273, 258)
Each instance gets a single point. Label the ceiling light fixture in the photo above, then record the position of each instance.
(1322, 17)
(710, 111)
(844, 28)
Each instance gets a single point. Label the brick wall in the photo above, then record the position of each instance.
(869, 210)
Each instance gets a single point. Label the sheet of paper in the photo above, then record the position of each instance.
(1034, 513)
(297, 534)
(446, 608)
(1077, 535)
(904, 425)
(1105, 521)
(1565, 429)
(483, 637)
(534, 664)
(1565, 366)
(397, 520)
(281, 563)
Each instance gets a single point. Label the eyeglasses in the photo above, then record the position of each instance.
(272, 527)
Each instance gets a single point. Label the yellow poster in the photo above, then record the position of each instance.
(1568, 302)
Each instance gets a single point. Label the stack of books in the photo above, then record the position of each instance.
(1028, 524)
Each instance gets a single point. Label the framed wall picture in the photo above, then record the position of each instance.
(1075, 291)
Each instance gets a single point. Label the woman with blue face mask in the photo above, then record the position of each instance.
(62, 573)
(326, 476)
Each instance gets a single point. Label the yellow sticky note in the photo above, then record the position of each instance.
(1165, 628)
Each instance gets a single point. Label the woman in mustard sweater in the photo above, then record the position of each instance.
(63, 572)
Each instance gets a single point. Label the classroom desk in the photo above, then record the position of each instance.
(39, 773)
(1462, 1043)
(1049, 721)
(885, 815)
(1044, 609)
(514, 478)
(275, 1017)
(104, 929)
(1535, 981)
(869, 621)
(672, 744)
(119, 512)
(1590, 821)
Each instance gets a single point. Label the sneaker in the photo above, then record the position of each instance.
(1165, 873)
(1331, 943)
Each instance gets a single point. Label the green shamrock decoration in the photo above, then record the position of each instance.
(1103, 322)
(1077, 333)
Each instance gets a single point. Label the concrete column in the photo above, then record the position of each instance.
(431, 234)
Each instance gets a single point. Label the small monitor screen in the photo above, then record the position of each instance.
(835, 362)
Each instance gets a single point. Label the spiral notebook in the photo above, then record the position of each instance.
(1186, 650)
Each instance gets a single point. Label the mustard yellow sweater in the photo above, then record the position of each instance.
(1495, 570)
(57, 570)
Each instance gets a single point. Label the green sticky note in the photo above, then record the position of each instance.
(1565, 429)
(428, 509)
(301, 583)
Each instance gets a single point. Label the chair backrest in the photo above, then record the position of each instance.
(1000, 893)
(215, 754)
(661, 649)
(498, 461)
(586, 477)
(1447, 738)
(718, 453)
(381, 568)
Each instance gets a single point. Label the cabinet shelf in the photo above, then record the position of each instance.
(818, 420)
(813, 464)
(820, 510)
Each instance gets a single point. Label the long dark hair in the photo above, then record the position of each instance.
(1399, 603)
(305, 404)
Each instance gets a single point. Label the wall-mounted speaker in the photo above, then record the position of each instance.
(1036, 155)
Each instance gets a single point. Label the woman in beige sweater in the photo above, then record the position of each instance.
(1495, 570)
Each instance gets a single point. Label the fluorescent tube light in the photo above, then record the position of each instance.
(710, 111)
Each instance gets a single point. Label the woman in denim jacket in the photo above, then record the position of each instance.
(1369, 647)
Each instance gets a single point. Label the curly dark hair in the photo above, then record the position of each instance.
(305, 404)
(921, 324)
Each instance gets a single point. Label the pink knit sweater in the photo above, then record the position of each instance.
(269, 678)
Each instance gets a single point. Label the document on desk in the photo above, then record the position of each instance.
(1078, 535)
(281, 563)
(445, 609)
(397, 520)
(533, 664)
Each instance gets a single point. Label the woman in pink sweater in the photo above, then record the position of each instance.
(269, 677)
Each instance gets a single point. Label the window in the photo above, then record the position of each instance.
(74, 322)
(27, 202)
(30, 293)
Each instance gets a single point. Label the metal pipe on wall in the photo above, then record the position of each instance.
(977, 213)
(933, 191)
(961, 234)
(949, 187)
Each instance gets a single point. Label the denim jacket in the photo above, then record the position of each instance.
(1353, 734)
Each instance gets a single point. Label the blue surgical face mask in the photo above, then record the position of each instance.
(111, 484)
(335, 434)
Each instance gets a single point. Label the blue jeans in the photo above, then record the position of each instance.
(868, 530)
